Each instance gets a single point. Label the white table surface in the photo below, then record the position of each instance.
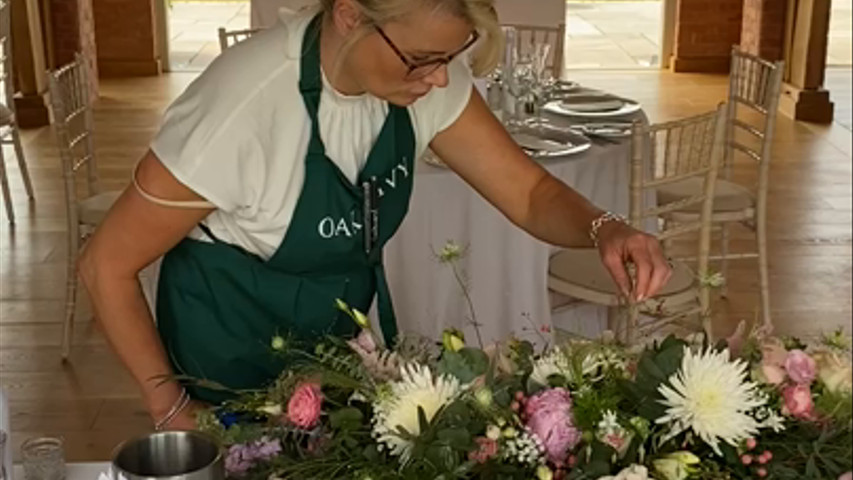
(74, 471)
(506, 267)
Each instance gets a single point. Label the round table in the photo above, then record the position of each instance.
(506, 268)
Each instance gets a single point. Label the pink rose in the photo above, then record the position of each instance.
(549, 418)
(303, 409)
(800, 367)
(798, 402)
(846, 476)
(772, 374)
(773, 352)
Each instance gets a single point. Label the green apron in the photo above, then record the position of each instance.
(218, 307)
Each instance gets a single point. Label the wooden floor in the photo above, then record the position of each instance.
(93, 404)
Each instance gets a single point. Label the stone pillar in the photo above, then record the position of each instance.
(806, 32)
(127, 38)
(763, 32)
(704, 34)
(73, 30)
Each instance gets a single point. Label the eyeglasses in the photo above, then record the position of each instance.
(423, 69)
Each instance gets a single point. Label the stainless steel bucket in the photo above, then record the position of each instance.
(179, 455)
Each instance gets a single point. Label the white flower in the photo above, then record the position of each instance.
(711, 396)
(714, 280)
(271, 409)
(772, 420)
(399, 409)
(634, 472)
(524, 448)
(449, 252)
(609, 423)
(610, 432)
(493, 432)
(554, 363)
(558, 362)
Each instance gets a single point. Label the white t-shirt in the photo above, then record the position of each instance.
(239, 134)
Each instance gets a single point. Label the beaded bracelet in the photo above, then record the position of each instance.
(601, 220)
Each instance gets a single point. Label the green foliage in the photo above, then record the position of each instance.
(655, 367)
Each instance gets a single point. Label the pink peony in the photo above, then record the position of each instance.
(549, 418)
(800, 367)
(798, 402)
(486, 449)
(303, 409)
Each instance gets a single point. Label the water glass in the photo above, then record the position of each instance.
(43, 458)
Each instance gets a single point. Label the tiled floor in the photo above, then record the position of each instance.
(840, 51)
(600, 33)
(613, 34)
(193, 37)
(838, 82)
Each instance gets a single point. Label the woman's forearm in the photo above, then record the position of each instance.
(559, 215)
(123, 313)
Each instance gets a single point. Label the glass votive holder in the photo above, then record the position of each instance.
(43, 459)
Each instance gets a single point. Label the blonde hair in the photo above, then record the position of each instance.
(479, 13)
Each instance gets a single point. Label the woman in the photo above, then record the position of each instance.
(281, 172)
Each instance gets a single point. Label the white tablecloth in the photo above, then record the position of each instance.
(506, 267)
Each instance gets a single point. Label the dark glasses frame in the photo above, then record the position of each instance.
(430, 65)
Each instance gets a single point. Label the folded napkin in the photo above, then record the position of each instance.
(591, 102)
(533, 142)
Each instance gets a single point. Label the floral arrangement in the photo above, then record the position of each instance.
(754, 406)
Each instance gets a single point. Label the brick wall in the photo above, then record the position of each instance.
(127, 40)
(763, 32)
(73, 31)
(705, 33)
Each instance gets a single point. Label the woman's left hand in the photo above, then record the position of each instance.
(619, 244)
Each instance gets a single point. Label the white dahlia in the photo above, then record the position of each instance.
(399, 407)
(711, 395)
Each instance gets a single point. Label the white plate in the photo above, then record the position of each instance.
(541, 142)
(605, 107)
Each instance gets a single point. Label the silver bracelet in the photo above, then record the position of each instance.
(179, 406)
(601, 220)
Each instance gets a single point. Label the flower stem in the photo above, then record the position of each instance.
(468, 300)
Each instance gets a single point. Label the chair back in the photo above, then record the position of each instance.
(71, 108)
(755, 85)
(684, 152)
(229, 38)
(7, 72)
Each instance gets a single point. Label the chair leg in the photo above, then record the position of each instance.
(764, 277)
(70, 292)
(724, 261)
(22, 162)
(4, 184)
